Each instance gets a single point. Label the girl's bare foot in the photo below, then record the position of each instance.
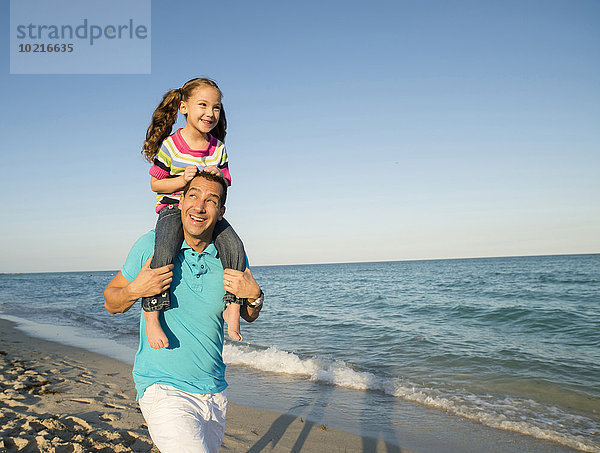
(156, 336)
(231, 315)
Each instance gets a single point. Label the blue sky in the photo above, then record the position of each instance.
(357, 132)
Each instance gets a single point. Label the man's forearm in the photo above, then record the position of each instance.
(119, 300)
(249, 313)
(119, 295)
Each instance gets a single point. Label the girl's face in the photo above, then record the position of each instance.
(202, 108)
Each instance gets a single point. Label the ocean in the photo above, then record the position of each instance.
(509, 343)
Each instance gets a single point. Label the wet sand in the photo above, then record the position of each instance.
(58, 398)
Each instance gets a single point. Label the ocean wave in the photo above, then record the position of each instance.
(507, 414)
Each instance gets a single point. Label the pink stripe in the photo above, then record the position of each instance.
(158, 172)
(226, 175)
(159, 207)
(184, 148)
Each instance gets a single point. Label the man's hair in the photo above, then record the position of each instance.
(210, 177)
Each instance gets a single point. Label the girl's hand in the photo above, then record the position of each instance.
(213, 170)
(189, 173)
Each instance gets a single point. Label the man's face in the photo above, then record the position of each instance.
(201, 208)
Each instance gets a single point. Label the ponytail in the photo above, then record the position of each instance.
(165, 115)
(162, 122)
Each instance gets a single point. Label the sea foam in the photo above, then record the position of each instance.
(507, 414)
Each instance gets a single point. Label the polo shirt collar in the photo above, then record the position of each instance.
(210, 249)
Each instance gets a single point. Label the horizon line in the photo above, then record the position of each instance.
(344, 262)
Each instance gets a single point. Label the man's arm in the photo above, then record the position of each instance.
(118, 296)
(243, 285)
(121, 294)
(250, 313)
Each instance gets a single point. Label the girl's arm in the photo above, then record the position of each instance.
(170, 185)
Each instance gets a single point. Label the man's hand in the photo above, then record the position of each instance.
(189, 173)
(213, 170)
(150, 282)
(241, 284)
(120, 294)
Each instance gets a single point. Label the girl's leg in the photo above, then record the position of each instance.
(232, 254)
(231, 251)
(156, 335)
(231, 315)
(168, 239)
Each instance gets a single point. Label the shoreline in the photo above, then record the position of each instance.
(59, 396)
(54, 394)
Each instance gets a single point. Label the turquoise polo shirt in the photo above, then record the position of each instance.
(193, 362)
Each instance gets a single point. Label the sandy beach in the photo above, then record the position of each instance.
(57, 398)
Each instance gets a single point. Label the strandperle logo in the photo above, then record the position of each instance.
(84, 31)
(80, 37)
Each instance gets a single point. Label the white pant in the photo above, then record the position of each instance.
(181, 422)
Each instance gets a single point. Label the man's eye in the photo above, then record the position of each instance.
(212, 201)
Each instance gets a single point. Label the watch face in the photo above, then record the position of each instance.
(257, 302)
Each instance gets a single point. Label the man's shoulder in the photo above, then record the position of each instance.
(145, 241)
(141, 250)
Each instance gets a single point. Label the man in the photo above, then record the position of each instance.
(181, 389)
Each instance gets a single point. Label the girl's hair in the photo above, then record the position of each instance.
(165, 115)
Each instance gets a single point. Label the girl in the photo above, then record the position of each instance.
(176, 159)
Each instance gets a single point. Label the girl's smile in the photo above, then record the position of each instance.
(202, 110)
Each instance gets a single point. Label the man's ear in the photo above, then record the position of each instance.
(179, 204)
(221, 213)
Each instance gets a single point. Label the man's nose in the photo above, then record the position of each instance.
(200, 205)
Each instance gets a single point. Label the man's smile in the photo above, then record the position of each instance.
(201, 209)
(197, 218)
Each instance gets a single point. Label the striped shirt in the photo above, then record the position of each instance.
(175, 155)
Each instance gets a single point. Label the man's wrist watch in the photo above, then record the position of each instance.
(257, 302)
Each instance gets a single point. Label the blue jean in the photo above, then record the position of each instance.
(167, 244)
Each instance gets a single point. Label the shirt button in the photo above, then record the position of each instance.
(194, 265)
(202, 266)
(198, 276)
